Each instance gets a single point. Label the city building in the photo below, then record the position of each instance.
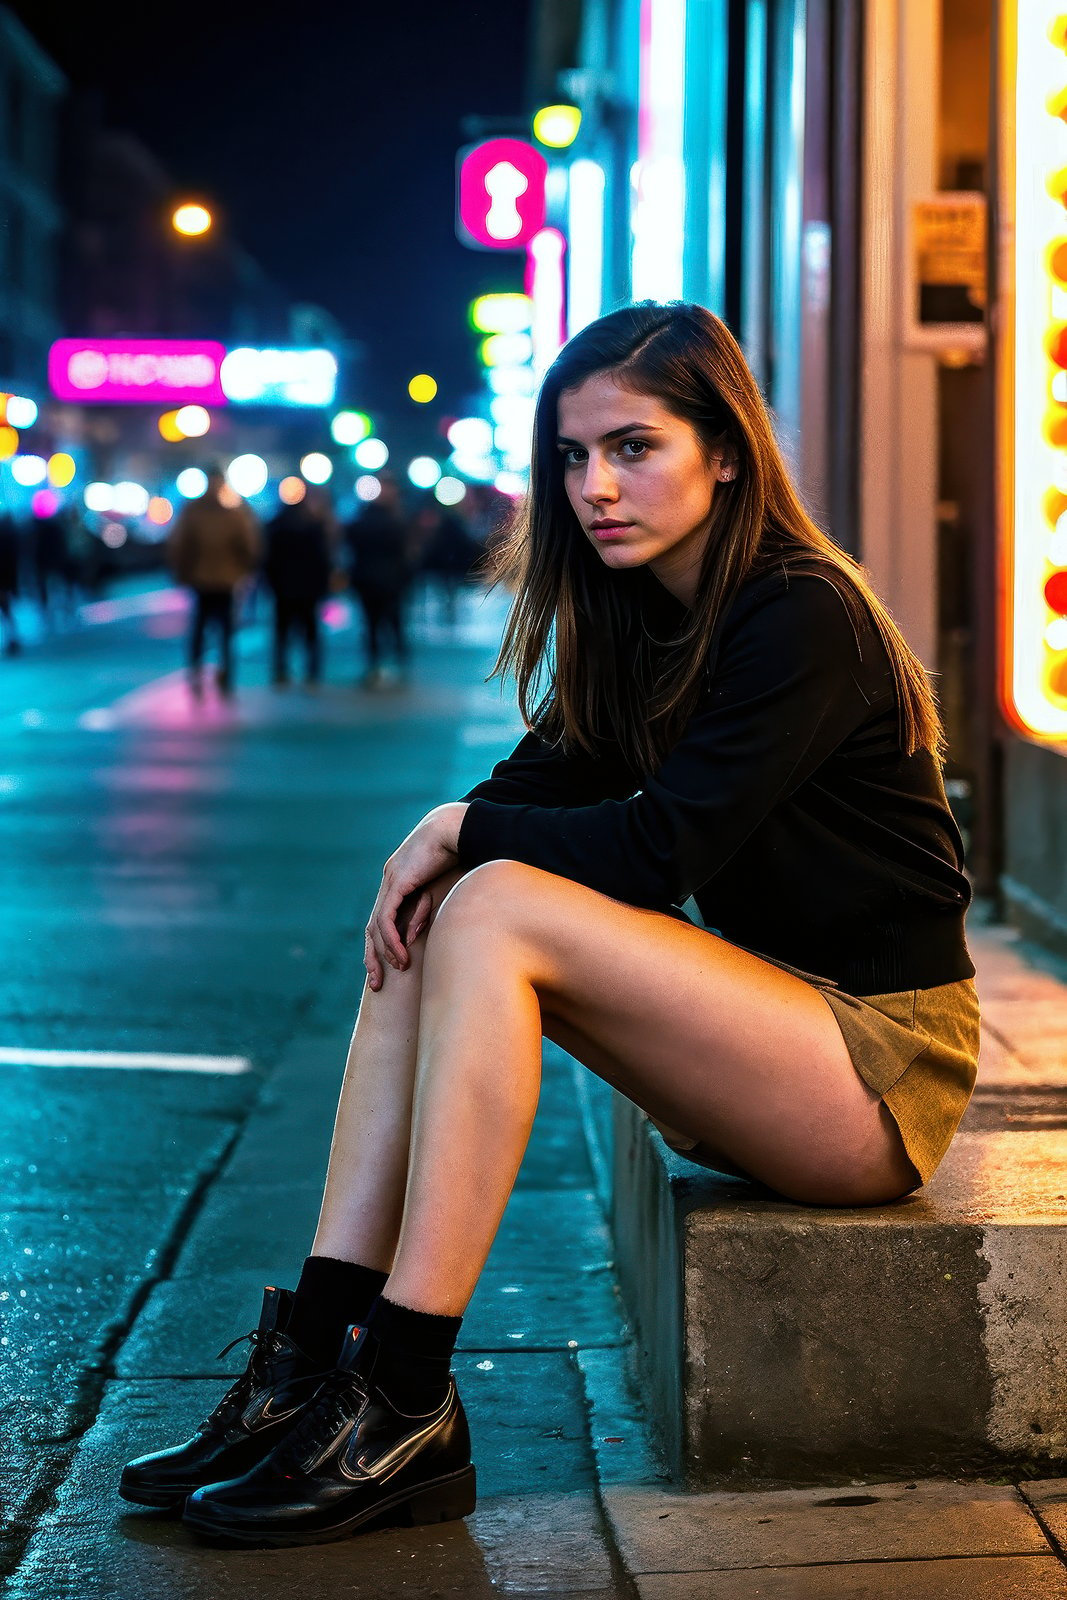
(31, 99)
(845, 185)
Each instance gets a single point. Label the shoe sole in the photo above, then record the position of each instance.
(156, 1498)
(440, 1500)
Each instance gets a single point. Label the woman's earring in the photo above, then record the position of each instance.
(726, 475)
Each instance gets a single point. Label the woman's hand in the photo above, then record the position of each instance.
(428, 851)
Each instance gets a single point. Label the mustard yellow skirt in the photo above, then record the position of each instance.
(916, 1048)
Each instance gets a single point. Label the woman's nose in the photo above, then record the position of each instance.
(598, 484)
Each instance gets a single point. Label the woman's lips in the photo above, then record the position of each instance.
(606, 531)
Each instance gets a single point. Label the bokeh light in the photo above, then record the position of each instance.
(247, 475)
(450, 491)
(21, 412)
(292, 490)
(422, 388)
(129, 499)
(62, 469)
(502, 313)
(159, 511)
(424, 472)
(9, 442)
(191, 483)
(371, 454)
(316, 467)
(45, 503)
(506, 349)
(29, 470)
(557, 126)
(193, 421)
(114, 535)
(168, 427)
(229, 497)
(368, 487)
(471, 436)
(191, 219)
(97, 497)
(349, 427)
(510, 483)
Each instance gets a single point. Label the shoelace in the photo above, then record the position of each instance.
(340, 1398)
(266, 1349)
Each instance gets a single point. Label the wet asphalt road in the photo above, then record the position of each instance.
(190, 881)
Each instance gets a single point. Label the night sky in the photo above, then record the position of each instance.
(326, 134)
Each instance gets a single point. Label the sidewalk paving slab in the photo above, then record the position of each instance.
(985, 1578)
(671, 1532)
(536, 1529)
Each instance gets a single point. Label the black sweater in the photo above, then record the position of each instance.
(786, 808)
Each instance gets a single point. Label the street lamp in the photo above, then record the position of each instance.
(191, 219)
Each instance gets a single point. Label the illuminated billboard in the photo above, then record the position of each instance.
(184, 372)
(138, 371)
(1034, 377)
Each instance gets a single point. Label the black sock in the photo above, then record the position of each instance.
(330, 1295)
(415, 1355)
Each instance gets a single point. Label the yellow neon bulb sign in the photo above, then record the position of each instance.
(1034, 609)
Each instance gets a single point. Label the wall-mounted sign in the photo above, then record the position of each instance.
(948, 242)
(501, 194)
(1033, 387)
(946, 274)
(141, 371)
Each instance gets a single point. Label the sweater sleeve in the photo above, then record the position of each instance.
(540, 774)
(784, 695)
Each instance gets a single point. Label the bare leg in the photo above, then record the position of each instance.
(712, 1041)
(364, 1196)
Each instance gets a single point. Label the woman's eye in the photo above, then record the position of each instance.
(573, 456)
(635, 448)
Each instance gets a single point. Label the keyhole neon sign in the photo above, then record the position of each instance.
(504, 184)
(501, 194)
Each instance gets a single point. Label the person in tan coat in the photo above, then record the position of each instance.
(212, 549)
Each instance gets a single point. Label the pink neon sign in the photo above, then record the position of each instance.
(110, 371)
(501, 194)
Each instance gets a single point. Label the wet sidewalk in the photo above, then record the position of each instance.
(570, 1498)
(544, 1311)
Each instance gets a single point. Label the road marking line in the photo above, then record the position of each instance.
(150, 1061)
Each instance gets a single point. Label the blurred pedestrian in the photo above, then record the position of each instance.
(297, 566)
(447, 554)
(213, 548)
(51, 564)
(9, 582)
(380, 562)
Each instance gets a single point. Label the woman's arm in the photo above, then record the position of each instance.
(429, 851)
(537, 773)
(786, 692)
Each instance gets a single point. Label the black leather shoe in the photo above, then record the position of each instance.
(350, 1460)
(246, 1424)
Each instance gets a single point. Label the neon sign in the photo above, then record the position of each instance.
(141, 371)
(184, 372)
(501, 194)
(1034, 605)
(280, 377)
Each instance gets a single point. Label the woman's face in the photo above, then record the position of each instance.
(638, 481)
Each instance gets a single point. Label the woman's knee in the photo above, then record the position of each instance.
(489, 898)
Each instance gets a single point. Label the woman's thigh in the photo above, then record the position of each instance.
(707, 1038)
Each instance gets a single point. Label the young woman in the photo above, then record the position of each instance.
(719, 708)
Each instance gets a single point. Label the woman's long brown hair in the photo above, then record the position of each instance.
(587, 664)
